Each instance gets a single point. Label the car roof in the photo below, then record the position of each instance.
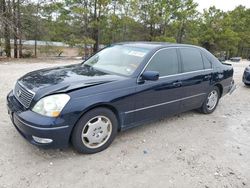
(153, 45)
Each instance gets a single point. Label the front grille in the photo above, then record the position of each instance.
(23, 95)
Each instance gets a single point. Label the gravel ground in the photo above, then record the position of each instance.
(188, 150)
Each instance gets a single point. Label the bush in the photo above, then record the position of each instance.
(27, 54)
(51, 50)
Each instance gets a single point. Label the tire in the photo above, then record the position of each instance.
(209, 108)
(95, 131)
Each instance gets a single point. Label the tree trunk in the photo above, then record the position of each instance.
(86, 52)
(114, 6)
(1, 23)
(180, 32)
(35, 47)
(19, 29)
(96, 29)
(36, 29)
(151, 32)
(6, 30)
(15, 27)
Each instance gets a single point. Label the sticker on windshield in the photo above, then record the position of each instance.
(137, 53)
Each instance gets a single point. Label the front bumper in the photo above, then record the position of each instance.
(32, 125)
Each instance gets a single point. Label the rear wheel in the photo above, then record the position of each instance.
(95, 131)
(211, 101)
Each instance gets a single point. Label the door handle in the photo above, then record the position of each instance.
(177, 84)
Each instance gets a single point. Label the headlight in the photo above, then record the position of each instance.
(51, 105)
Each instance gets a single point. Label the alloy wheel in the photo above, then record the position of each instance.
(212, 100)
(96, 132)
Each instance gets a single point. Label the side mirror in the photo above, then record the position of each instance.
(150, 75)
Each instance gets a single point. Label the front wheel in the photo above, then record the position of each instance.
(211, 101)
(95, 131)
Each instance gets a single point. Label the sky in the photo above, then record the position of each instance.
(224, 5)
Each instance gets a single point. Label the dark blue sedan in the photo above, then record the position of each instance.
(122, 86)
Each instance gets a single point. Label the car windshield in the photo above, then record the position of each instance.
(118, 59)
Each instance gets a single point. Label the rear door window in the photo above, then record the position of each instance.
(191, 59)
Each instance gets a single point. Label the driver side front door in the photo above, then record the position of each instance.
(161, 98)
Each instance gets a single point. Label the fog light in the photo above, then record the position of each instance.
(42, 140)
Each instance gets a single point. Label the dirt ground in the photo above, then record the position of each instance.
(188, 150)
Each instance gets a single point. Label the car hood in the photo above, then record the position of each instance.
(65, 78)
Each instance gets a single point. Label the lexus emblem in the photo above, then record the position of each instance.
(19, 93)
